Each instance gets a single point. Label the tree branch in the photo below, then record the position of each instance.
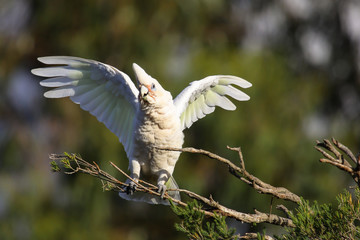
(254, 236)
(242, 174)
(339, 160)
(334, 152)
(111, 183)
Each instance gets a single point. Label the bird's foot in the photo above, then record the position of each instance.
(130, 189)
(162, 190)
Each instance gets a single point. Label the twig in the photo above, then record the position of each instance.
(85, 167)
(243, 217)
(284, 209)
(345, 149)
(327, 149)
(242, 174)
(333, 151)
(142, 186)
(254, 236)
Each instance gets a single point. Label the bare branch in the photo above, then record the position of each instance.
(242, 174)
(94, 170)
(327, 148)
(254, 236)
(243, 217)
(334, 152)
(336, 164)
(345, 149)
(284, 209)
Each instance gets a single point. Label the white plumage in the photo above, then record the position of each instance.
(145, 118)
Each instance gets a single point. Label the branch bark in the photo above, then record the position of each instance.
(111, 183)
(329, 148)
(254, 236)
(242, 174)
(334, 152)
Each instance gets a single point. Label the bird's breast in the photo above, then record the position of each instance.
(154, 131)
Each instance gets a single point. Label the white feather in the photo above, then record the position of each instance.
(66, 60)
(60, 92)
(204, 95)
(100, 89)
(58, 82)
(58, 72)
(231, 91)
(227, 80)
(98, 105)
(86, 94)
(198, 105)
(112, 98)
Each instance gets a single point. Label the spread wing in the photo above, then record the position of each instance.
(100, 89)
(201, 97)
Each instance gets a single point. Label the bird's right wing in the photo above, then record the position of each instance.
(100, 89)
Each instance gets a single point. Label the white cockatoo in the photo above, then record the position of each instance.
(144, 117)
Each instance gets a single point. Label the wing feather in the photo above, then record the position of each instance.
(198, 107)
(58, 72)
(104, 91)
(86, 94)
(231, 91)
(97, 104)
(201, 97)
(60, 92)
(58, 82)
(188, 116)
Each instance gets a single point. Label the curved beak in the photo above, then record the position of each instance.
(144, 91)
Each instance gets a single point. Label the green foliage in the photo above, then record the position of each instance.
(54, 166)
(312, 221)
(65, 162)
(107, 186)
(195, 226)
(322, 221)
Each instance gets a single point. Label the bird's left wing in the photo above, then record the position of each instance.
(98, 88)
(201, 97)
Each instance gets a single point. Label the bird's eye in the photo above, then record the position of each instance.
(153, 87)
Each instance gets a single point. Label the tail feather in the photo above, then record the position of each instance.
(151, 199)
(171, 184)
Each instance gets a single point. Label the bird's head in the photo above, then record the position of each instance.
(150, 91)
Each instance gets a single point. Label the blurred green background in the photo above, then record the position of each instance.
(301, 56)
